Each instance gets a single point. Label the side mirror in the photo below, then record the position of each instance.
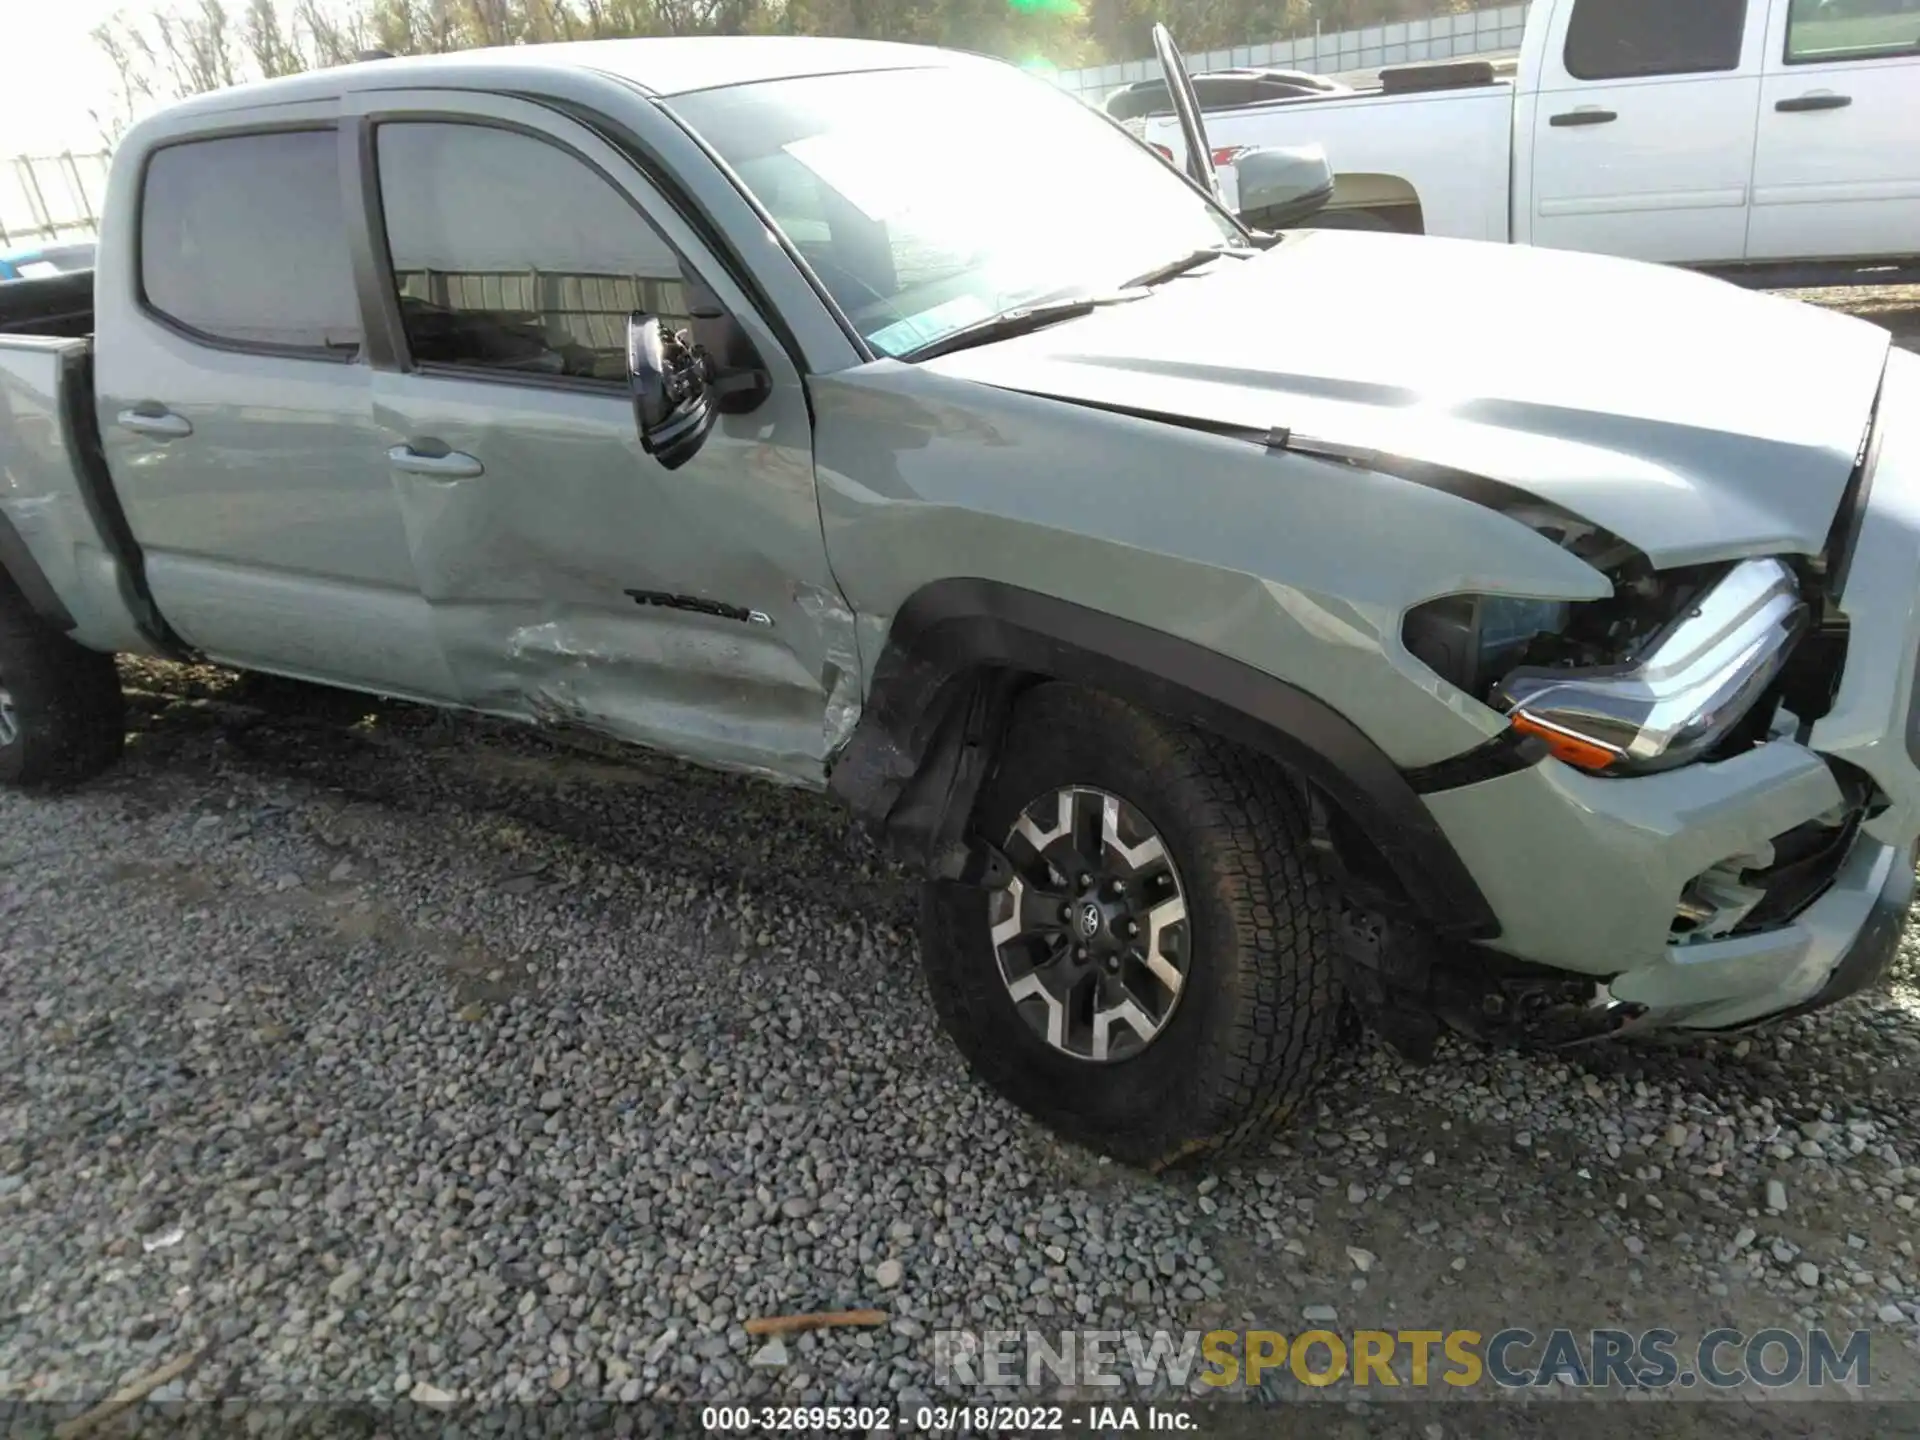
(678, 389)
(1282, 187)
(669, 378)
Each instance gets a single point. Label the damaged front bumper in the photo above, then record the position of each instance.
(1619, 879)
(1838, 945)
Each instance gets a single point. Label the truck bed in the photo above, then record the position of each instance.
(58, 305)
(1464, 133)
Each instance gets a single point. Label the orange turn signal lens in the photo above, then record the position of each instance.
(1571, 748)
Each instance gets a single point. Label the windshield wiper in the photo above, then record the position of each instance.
(1192, 260)
(1021, 320)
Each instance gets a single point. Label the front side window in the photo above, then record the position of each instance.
(510, 254)
(928, 200)
(244, 239)
(1634, 39)
(1851, 30)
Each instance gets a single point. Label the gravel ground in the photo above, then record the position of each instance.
(387, 1054)
(1897, 307)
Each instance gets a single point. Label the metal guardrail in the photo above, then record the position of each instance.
(48, 198)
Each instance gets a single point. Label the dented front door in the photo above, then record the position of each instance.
(572, 579)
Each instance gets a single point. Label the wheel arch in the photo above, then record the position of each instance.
(960, 651)
(1392, 198)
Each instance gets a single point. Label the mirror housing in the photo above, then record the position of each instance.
(668, 377)
(1282, 186)
(678, 389)
(740, 383)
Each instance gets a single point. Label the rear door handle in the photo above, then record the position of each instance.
(1582, 117)
(1813, 102)
(452, 465)
(154, 420)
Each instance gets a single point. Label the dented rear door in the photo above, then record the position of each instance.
(572, 580)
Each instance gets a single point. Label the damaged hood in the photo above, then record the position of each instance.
(1691, 418)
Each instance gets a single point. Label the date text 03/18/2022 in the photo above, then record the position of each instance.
(959, 1419)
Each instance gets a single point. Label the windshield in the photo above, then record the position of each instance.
(929, 200)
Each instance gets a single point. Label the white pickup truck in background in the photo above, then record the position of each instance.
(1772, 140)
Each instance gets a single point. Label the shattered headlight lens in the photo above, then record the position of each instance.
(1678, 694)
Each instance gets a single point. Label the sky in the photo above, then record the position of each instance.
(51, 75)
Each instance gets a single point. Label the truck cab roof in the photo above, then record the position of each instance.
(665, 66)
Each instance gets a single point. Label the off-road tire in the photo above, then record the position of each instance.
(68, 715)
(1258, 1020)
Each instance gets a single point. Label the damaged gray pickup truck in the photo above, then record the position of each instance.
(1234, 622)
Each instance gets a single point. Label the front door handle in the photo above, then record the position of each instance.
(451, 465)
(154, 420)
(1582, 117)
(1825, 100)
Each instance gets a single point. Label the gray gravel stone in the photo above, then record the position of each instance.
(494, 1145)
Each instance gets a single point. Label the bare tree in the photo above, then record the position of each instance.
(196, 45)
(272, 49)
(134, 66)
(330, 39)
(415, 27)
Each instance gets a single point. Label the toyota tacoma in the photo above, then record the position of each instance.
(1233, 623)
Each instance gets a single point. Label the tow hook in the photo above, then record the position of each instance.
(1407, 986)
(1609, 1019)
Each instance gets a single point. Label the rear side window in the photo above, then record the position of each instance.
(244, 239)
(511, 254)
(1628, 39)
(1851, 30)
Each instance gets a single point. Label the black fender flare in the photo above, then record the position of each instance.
(959, 650)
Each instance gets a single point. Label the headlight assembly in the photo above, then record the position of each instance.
(1691, 684)
(1654, 678)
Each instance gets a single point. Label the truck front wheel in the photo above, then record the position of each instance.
(62, 717)
(1157, 978)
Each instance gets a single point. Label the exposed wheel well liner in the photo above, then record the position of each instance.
(960, 650)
